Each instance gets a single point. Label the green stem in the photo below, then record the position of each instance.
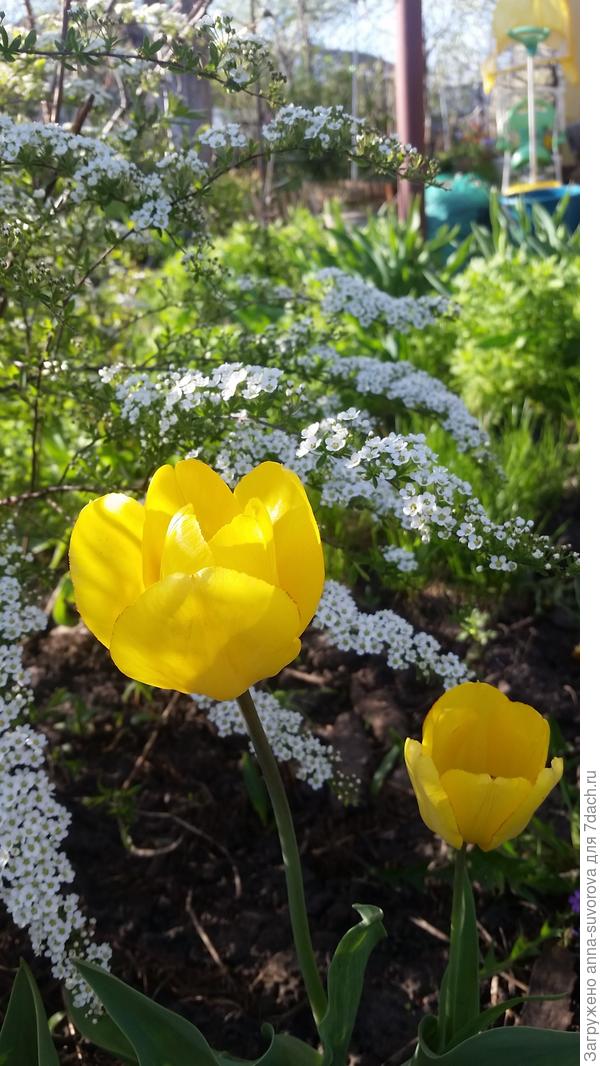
(291, 857)
(460, 868)
(459, 995)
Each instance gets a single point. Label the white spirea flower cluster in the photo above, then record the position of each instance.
(347, 293)
(384, 633)
(237, 51)
(181, 160)
(333, 432)
(159, 18)
(396, 477)
(230, 135)
(33, 825)
(365, 473)
(286, 732)
(172, 392)
(242, 54)
(415, 389)
(402, 558)
(390, 146)
(91, 168)
(319, 125)
(98, 163)
(263, 286)
(333, 129)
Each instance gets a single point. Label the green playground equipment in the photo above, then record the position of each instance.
(531, 37)
(548, 137)
(526, 71)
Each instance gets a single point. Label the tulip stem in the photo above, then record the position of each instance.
(291, 857)
(460, 870)
(459, 993)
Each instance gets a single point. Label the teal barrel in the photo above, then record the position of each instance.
(465, 201)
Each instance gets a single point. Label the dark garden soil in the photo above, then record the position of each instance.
(190, 892)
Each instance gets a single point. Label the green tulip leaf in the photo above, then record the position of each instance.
(345, 982)
(492, 1014)
(139, 1030)
(459, 993)
(256, 788)
(283, 1050)
(100, 1030)
(25, 1038)
(518, 1044)
(158, 1036)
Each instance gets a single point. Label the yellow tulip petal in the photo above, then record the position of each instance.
(515, 824)
(434, 806)
(163, 492)
(475, 727)
(298, 550)
(156, 524)
(105, 559)
(246, 544)
(256, 509)
(215, 632)
(185, 550)
(483, 804)
(191, 481)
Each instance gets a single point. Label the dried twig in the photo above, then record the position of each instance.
(206, 940)
(422, 923)
(308, 679)
(38, 494)
(237, 881)
(123, 104)
(402, 1056)
(151, 741)
(145, 853)
(75, 1035)
(82, 114)
(513, 982)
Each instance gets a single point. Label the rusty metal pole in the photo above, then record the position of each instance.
(410, 90)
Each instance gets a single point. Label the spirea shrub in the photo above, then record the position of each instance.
(34, 871)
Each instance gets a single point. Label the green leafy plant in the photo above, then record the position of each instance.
(461, 1034)
(517, 335)
(388, 251)
(25, 1038)
(534, 230)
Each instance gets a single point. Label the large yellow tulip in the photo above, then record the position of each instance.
(480, 773)
(200, 589)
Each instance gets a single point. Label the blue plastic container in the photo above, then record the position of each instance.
(549, 199)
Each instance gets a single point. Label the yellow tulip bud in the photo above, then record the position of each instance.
(480, 773)
(200, 589)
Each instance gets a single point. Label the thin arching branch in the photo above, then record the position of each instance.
(60, 81)
(30, 15)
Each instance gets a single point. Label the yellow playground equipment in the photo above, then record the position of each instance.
(526, 72)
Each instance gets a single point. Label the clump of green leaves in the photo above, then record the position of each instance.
(517, 335)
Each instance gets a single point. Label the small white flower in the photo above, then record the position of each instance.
(33, 825)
